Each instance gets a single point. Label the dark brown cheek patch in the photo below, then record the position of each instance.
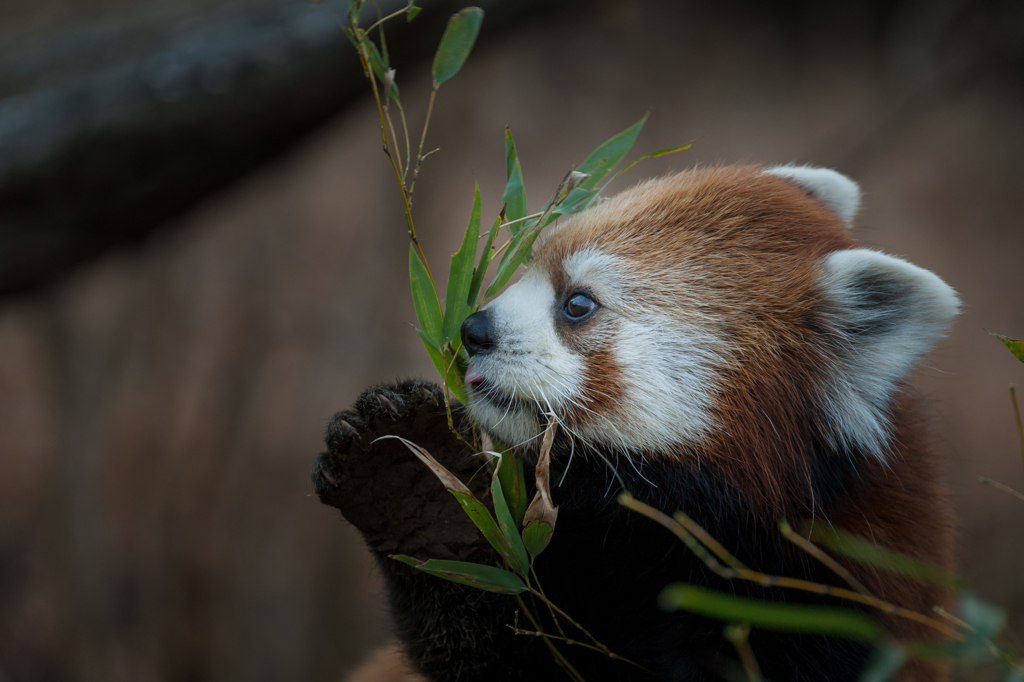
(602, 386)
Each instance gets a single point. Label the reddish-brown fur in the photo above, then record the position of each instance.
(902, 504)
(739, 249)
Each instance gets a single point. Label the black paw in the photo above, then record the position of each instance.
(384, 490)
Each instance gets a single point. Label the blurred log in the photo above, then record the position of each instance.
(109, 129)
(112, 128)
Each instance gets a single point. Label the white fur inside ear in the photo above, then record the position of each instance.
(887, 314)
(835, 190)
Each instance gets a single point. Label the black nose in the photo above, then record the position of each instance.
(476, 334)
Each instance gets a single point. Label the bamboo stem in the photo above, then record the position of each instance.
(364, 60)
(737, 634)
(999, 486)
(1016, 412)
(559, 657)
(816, 552)
(765, 580)
(423, 139)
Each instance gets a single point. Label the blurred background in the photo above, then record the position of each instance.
(203, 255)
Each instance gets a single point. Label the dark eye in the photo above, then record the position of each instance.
(579, 305)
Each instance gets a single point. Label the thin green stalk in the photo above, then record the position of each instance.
(540, 221)
(364, 61)
(500, 249)
(380, 32)
(383, 19)
(737, 634)
(519, 220)
(560, 638)
(405, 129)
(554, 616)
(952, 619)
(765, 580)
(559, 657)
(999, 486)
(579, 627)
(395, 138)
(816, 552)
(1016, 412)
(601, 647)
(707, 540)
(423, 139)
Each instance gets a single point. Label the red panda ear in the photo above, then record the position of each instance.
(835, 190)
(886, 314)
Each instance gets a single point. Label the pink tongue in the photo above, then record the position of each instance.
(473, 375)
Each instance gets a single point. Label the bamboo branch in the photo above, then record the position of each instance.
(423, 139)
(765, 580)
(816, 552)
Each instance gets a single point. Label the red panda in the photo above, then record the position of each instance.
(715, 342)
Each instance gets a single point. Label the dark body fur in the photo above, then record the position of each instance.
(607, 565)
(730, 254)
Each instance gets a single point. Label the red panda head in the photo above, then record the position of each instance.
(717, 308)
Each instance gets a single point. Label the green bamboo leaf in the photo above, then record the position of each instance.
(884, 663)
(986, 622)
(345, 30)
(460, 275)
(456, 43)
(536, 537)
(453, 377)
(542, 507)
(508, 268)
(514, 197)
(456, 362)
(518, 560)
(651, 155)
(515, 242)
(513, 484)
(485, 262)
(867, 552)
(435, 355)
(1015, 346)
(814, 620)
(424, 299)
(576, 201)
(476, 511)
(489, 578)
(511, 155)
(355, 8)
(411, 13)
(378, 63)
(407, 560)
(603, 159)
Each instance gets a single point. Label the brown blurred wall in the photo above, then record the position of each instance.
(161, 407)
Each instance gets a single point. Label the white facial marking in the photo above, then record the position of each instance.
(669, 385)
(598, 272)
(835, 190)
(667, 382)
(889, 314)
(529, 363)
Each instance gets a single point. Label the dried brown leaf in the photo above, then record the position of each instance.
(542, 508)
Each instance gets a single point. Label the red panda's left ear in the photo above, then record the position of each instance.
(885, 314)
(835, 190)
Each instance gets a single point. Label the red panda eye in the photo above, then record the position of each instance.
(579, 305)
